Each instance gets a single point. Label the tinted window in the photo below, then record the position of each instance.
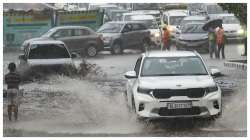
(175, 20)
(111, 28)
(48, 51)
(81, 32)
(173, 66)
(63, 33)
(193, 28)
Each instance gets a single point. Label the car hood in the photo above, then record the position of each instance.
(192, 36)
(49, 62)
(37, 39)
(173, 82)
(231, 27)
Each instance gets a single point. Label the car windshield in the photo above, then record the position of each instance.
(111, 28)
(150, 24)
(48, 51)
(48, 33)
(173, 66)
(193, 28)
(175, 20)
(230, 20)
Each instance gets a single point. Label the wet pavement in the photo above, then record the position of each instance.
(95, 105)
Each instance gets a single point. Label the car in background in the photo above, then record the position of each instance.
(193, 37)
(232, 27)
(50, 54)
(192, 91)
(116, 15)
(79, 39)
(121, 35)
(190, 19)
(150, 22)
(205, 9)
(155, 13)
(173, 18)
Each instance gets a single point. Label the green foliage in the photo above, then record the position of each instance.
(238, 9)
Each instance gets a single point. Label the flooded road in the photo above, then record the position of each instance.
(95, 105)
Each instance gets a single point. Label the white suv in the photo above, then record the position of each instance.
(173, 84)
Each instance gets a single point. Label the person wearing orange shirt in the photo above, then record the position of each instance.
(220, 40)
(165, 39)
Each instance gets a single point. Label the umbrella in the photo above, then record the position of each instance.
(212, 24)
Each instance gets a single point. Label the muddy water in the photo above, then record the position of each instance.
(94, 104)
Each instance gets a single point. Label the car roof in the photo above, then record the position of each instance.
(195, 18)
(46, 42)
(147, 11)
(124, 22)
(170, 54)
(70, 27)
(177, 12)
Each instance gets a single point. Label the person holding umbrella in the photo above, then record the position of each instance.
(210, 26)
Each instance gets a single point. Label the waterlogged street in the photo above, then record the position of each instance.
(95, 106)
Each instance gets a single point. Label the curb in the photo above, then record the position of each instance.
(236, 65)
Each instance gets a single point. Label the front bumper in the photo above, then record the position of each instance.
(157, 108)
(192, 45)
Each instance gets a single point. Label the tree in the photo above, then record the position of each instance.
(238, 9)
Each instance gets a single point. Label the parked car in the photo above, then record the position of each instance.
(51, 54)
(171, 85)
(173, 19)
(150, 22)
(193, 37)
(121, 35)
(232, 27)
(78, 39)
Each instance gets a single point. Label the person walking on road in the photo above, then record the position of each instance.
(212, 43)
(220, 40)
(12, 80)
(165, 38)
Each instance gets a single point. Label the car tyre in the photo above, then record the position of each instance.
(91, 51)
(145, 45)
(117, 49)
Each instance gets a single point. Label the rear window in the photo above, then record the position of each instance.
(48, 51)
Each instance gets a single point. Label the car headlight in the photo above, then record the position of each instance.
(240, 31)
(144, 90)
(171, 29)
(156, 34)
(211, 89)
(107, 39)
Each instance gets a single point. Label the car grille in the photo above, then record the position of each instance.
(175, 112)
(167, 93)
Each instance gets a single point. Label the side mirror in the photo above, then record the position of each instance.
(215, 72)
(178, 26)
(73, 55)
(22, 57)
(130, 75)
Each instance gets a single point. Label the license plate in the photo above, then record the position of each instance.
(179, 105)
